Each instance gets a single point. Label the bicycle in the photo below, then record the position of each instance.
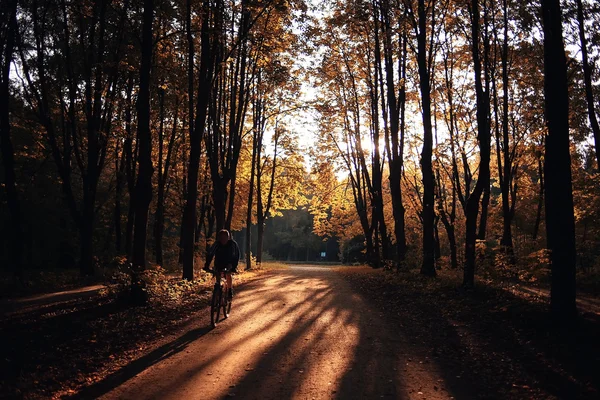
(220, 297)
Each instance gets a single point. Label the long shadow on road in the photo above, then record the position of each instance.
(298, 333)
(126, 373)
(328, 343)
(494, 344)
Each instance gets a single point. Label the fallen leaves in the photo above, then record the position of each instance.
(498, 344)
(54, 352)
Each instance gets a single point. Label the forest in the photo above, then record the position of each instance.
(417, 135)
(446, 151)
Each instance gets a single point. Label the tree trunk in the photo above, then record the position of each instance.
(204, 85)
(130, 170)
(163, 178)
(117, 217)
(231, 200)
(452, 242)
(120, 170)
(190, 93)
(504, 158)
(210, 227)
(259, 240)
(428, 266)
(87, 238)
(203, 214)
(143, 188)
(6, 146)
(159, 216)
(560, 220)
(262, 211)
(438, 245)
(587, 77)
(220, 203)
(483, 216)
(471, 212)
(396, 107)
(540, 205)
(129, 228)
(251, 198)
(398, 211)
(159, 227)
(483, 137)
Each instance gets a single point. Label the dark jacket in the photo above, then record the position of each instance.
(224, 254)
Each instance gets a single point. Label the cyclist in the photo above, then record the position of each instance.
(226, 253)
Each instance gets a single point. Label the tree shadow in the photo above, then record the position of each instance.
(134, 368)
(319, 297)
(335, 337)
(166, 351)
(494, 343)
(389, 346)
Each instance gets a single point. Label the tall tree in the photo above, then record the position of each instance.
(424, 25)
(374, 81)
(483, 137)
(205, 78)
(560, 220)
(130, 148)
(396, 109)
(505, 146)
(227, 111)
(587, 79)
(143, 187)
(8, 33)
(258, 128)
(164, 167)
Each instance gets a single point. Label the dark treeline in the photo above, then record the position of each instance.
(125, 126)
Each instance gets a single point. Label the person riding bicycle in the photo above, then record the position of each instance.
(226, 253)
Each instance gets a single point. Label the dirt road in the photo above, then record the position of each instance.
(298, 333)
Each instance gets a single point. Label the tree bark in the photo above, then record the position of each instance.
(260, 240)
(120, 171)
(379, 225)
(483, 137)
(159, 218)
(204, 86)
(503, 153)
(483, 216)
(130, 169)
(587, 78)
(6, 146)
(393, 110)
(560, 220)
(262, 211)
(251, 189)
(163, 178)
(397, 129)
(438, 245)
(540, 205)
(143, 188)
(428, 266)
(453, 248)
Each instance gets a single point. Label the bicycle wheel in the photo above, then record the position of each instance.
(215, 305)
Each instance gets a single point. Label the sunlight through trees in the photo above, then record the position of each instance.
(443, 134)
